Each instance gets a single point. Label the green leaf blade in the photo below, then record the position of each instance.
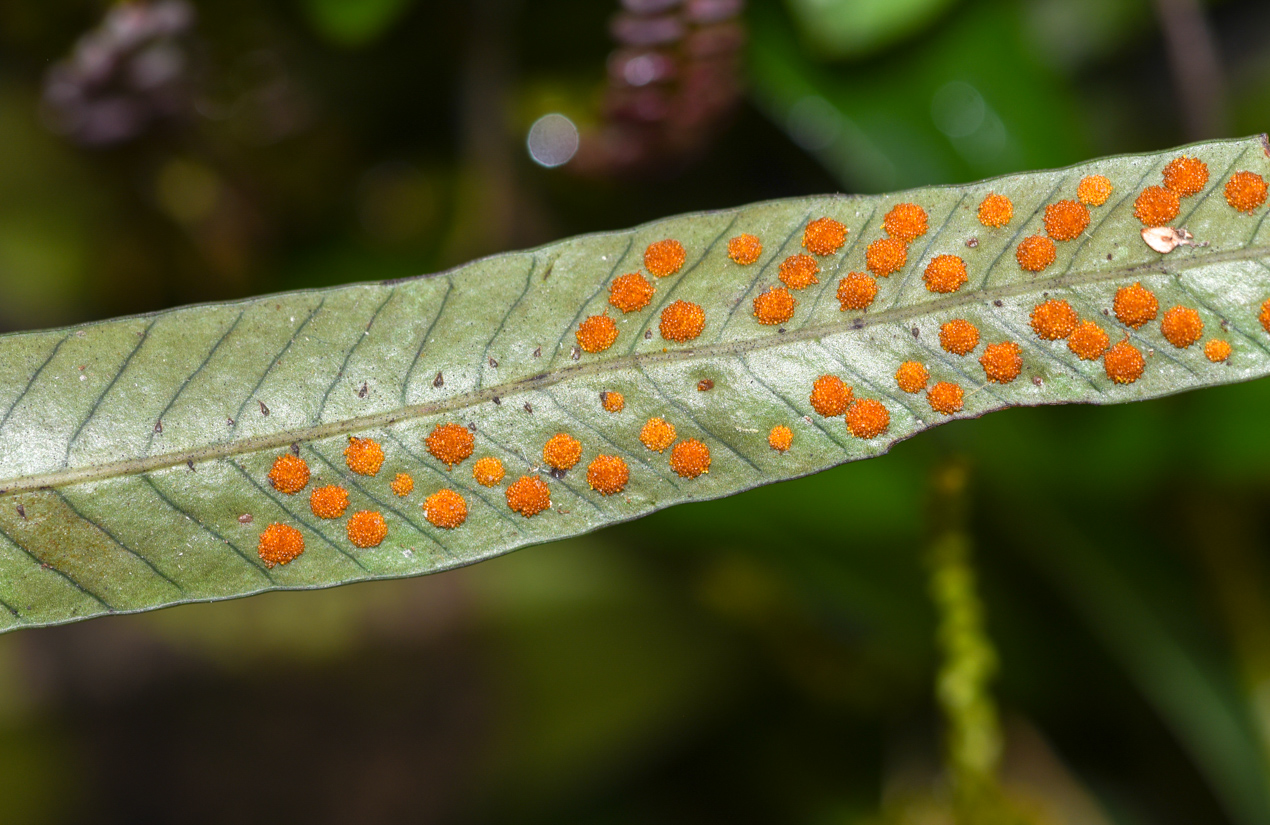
(133, 471)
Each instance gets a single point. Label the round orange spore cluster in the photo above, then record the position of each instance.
(868, 418)
(562, 451)
(1181, 326)
(450, 443)
(1123, 363)
(682, 321)
(403, 484)
(528, 495)
(946, 398)
(364, 456)
(445, 509)
(1217, 350)
(995, 210)
(329, 501)
(1054, 319)
(1088, 341)
(664, 258)
(279, 544)
(799, 271)
(289, 474)
(780, 438)
(367, 528)
(608, 474)
(1156, 206)
(911, 377)
(657, 434)
(1264, 317)
(1065, 220)
(1094, 190)
(1035, 252)
(1186, 176)
(958, 336)
(829, 396)
(488, 471)
(945, 273)
(857, 291)
(1002, 362)
(824, 236)
(1135, 305)
(886, 255)
(631, 293)
(905, 221)
(1246, 191)
(596, 333)
(745, 249)
(776, 306)
(690, 458)
(613, 402)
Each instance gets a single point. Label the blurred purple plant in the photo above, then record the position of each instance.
(671, 84)
(127, 74)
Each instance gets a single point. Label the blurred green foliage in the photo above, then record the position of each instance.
(765, 658)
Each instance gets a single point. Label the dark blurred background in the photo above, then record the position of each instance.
(768, 658)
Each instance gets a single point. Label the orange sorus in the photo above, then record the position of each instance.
(364, 456)
(781, 438)
(631, 292)
(857, 291)
(885, 255)
(608, 474)
(665, 257)
(446, 509)
(279, 544)
(958, 336)
(1123, 363)
(745, 249)
(1156, 206)
(682, 321)
(911, 377)
(1002, 362)
(1035, 252)
(945, 398)
(1135, 305)
(528, 495)
(450, 443)
(868, 418)
(1094, 190)
(1246, 191)
(596, 333)
(829, 396)
(905, 221)
(613, 402)
(657, 434)
(1217, 350)
(488, 471)
(1088, 341)
(776, 306)
(1054, 319)
(1186, 176)
(799, 271)
(945, 273)
(824, 236)
(562, 451)
(995, 210)
(403, 484)
(1065, 220)
(690, 458)
(1182, 326)
(328, 502)
(289, 474)
(367, 528)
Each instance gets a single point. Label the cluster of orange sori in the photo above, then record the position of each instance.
(823, 236)
(1056, 320)
(633, 292)
(1064, 220)
(831, 397)
(689, 458)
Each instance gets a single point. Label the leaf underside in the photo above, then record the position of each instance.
(134, 453)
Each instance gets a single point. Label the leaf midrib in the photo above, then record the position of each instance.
(227, 449)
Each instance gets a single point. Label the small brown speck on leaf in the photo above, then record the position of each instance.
(295, 448)
(245, 518)
(361, 393)
(21, 510)
(972, 243)
(497, 401)
(493, 363)
(158, 426)
(263, 409)
(439, 381)
(576, 354)
(538, 352)
(704, 385)
(529, 407)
